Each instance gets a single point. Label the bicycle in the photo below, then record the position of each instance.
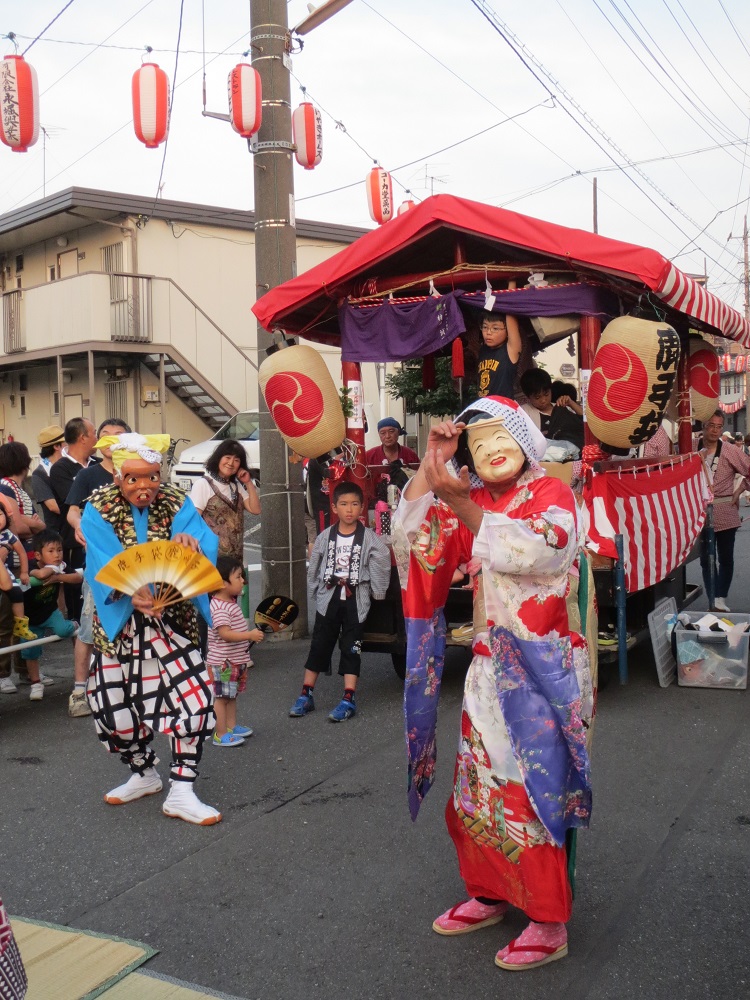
(169, 458)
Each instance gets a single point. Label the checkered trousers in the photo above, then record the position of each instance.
(156, 682)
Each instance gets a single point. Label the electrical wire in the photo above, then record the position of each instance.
(35, 40)
(718, 61)
(121, 127)
(171, 105)
(100, 45)
(127, 48)
(523, 53)
(734, 27)
(428, 156)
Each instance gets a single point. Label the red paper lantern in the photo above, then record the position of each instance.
(307, 134)
(151, 105)
(406, 206)
(703, 377)
(19, 114)
(245, 107)
(379, 195)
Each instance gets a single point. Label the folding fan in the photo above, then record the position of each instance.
(173, 572)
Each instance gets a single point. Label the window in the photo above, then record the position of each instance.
(52, 273)
(22, 403)
(19, 263)
(56, 403)
(23, 382)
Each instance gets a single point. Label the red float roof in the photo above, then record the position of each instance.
(431, 237)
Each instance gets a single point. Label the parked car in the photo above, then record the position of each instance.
(243, 426)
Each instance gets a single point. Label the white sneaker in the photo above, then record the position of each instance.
(183, 803)
(721, 605)
(78, 705)
(43, 679)
(7, 686)
(149, 783)
(36, 691)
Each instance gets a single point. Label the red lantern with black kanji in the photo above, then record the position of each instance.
(307, 134)
(151, 105)
(632, 377)
(380, 195)
(19, 113)
(245, 100)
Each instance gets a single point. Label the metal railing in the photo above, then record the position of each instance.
(130, 308)
(13, 338)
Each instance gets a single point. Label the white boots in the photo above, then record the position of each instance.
(149, 783)
(181, 803)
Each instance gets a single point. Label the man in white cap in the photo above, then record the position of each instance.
(522, 781)
(147, 673)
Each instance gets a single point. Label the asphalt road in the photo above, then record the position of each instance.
(317, 884)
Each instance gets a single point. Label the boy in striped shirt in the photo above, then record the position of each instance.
(228, 656)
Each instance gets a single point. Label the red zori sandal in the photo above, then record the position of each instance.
(535, 946)
(471, 915)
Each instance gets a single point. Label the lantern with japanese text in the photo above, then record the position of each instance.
(151, 105)
(307, 135)
(245, 108)
(703, 376)
(19, 114)
(302, 400)
(379, 195)
(632, 377)
(406, 206)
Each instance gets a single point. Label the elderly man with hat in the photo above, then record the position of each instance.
(389, 450)
(147, 673)
(51, 443)
(521, 781)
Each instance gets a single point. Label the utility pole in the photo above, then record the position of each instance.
(747, 273)
(596, 206)
(283, 543)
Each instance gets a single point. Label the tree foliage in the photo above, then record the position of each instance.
(442, 400)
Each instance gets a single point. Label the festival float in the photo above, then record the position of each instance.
(417, 287)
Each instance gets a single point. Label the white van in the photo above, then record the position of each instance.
(244, 427)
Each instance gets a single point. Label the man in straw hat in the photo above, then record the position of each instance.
(51, 443)
(521, 781)
(147, 673)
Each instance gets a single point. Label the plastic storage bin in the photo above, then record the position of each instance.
(705, 660)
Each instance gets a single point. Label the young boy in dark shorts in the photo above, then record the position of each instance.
(349, 566)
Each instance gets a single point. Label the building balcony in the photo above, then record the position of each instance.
(98, 309)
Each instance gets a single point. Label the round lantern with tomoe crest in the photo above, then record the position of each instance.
(632, 377)
(307, 135)
(19, 113)
(703, 376)
(151, 105)
(379, 195)
(303, 400)
(245, 107)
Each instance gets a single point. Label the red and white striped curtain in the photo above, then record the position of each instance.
(659, 510)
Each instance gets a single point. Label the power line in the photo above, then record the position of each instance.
(734, 28)
(100, 45)
(124, 125)
(171, 105)
(127, 48)
(427, 156)
(35, 40)
(521, 51)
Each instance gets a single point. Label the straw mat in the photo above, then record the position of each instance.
(67, 964)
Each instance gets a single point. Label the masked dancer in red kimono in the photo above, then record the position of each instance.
(521, 783)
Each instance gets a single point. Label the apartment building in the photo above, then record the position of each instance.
(119, 305)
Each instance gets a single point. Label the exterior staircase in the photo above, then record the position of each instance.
(200, 397)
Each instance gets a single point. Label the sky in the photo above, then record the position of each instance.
(515, 105)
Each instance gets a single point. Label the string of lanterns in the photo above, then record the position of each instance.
(19, 120)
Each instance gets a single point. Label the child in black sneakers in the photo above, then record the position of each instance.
(349, 565)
